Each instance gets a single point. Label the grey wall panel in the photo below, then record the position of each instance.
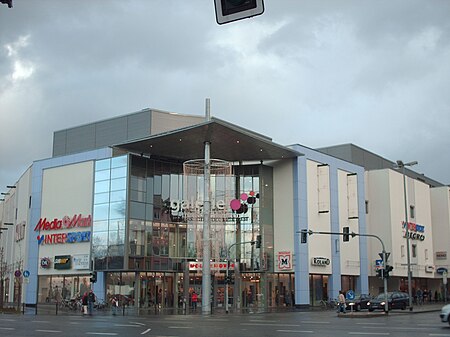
(111, 131)
(59, 143)
(138, 125)
(80, 139)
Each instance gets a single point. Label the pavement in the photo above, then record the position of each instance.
(52, 310)
(416, 309)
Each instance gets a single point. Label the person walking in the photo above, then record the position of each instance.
(84, 303)
(91, 301)
(114, 305)
(341, 300)
(194, 300)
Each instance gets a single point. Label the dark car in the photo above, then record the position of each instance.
(396, 300)
(358, 303)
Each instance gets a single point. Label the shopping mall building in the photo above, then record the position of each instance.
(125, 197)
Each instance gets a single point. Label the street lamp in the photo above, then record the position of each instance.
(401, 165)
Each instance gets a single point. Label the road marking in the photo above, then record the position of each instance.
(371, 323)
(315, 322)
(370, 333)
(8, 320)
(180, 327)
(48, 331)
(128, 325)
(439, 334)
(262, 320)
(137, 323)
(296, 331)
(102, 333)
(144, 332)
(270, 324)
(41, 322)
(7, 329)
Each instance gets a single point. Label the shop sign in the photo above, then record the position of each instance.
(20, 231)
(320, 261)
(441, 255)
(60, 238)
(284, 260)
(45, 262)
(415, 231)
(81, 262)
(441, 270)
(63, 262)
(213, 266)
(77, 221)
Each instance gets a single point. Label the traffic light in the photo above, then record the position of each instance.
(388, 270)
(7, 2)
(258, 241)
(233, 10)
(346, 236)
(304, 236)
(380, 272)
(93, 278)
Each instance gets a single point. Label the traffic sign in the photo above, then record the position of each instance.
(26, 273)
(350, 295)
(17, 273)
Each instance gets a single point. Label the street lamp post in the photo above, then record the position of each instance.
(401, 164)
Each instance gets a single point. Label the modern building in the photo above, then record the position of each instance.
(125, 199)
(392, 201)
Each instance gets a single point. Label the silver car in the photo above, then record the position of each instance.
(445, 314)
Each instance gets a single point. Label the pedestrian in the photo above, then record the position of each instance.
(341, 300)
(114, 305)
(194, 300)
(91, 301)
(84, 303)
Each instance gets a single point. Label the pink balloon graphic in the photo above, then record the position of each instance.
(252, 193)
(244, 196)
(235, 204)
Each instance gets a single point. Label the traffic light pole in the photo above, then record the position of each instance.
(353, 234)
(227, 272)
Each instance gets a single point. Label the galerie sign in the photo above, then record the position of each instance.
(66, 223)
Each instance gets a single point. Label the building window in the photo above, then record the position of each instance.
(412, 212)
(367, 206)
(426, 254)
(414, 250)
(402, 250)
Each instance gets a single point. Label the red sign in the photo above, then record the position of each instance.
(213, 265)
(64, 223)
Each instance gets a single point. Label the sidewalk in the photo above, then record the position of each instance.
(416, 309)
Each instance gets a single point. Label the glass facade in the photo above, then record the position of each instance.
(109, 217)
(148, 227)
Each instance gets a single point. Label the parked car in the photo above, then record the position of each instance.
(445, 314)
(360, 302)
(396, 300)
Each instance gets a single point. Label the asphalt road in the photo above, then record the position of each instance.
(271, 325)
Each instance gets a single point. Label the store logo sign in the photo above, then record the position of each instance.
(284, 260)
(45, 262)
(415, 231)
(77, 221)
(320, 261)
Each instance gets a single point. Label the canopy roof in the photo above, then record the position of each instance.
(228, 142)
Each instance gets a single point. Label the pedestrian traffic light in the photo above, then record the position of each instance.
(346, 236)
(258, 241)
(233, 10)
(388, 270)
(304, 236)
(93, 278)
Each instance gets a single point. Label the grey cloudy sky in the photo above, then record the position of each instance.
(375, 73)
